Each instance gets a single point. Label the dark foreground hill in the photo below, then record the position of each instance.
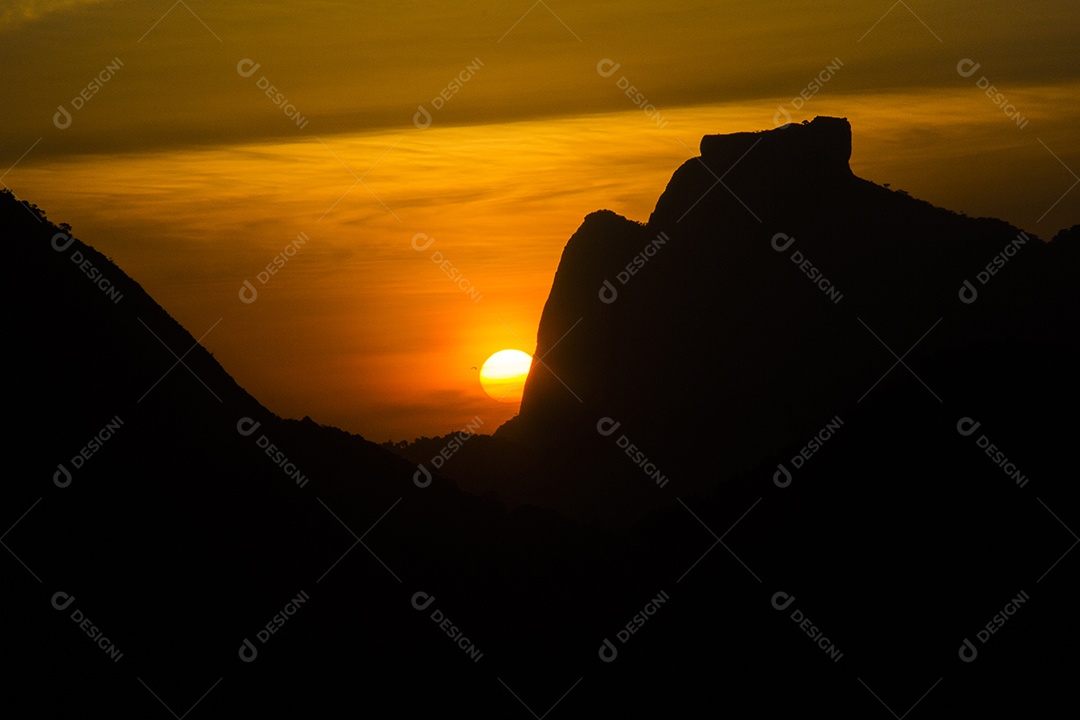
(809, 524)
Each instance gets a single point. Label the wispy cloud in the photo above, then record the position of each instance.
(15, 13)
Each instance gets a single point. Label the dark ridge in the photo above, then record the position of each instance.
(691, 367)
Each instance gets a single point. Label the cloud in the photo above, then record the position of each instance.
(19, 12)
(346, 68)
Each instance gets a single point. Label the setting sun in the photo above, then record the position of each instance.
(503, 375)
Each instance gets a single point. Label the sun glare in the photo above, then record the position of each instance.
(503, 375)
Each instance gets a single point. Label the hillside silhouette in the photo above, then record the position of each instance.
(779, 450)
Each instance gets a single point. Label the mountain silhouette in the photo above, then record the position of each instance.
(748, 477)
(720, 340)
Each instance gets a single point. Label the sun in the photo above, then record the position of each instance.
(503, 375)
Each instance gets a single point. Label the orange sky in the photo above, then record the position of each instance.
(184, 172)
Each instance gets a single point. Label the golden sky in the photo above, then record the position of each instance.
(148, 127)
